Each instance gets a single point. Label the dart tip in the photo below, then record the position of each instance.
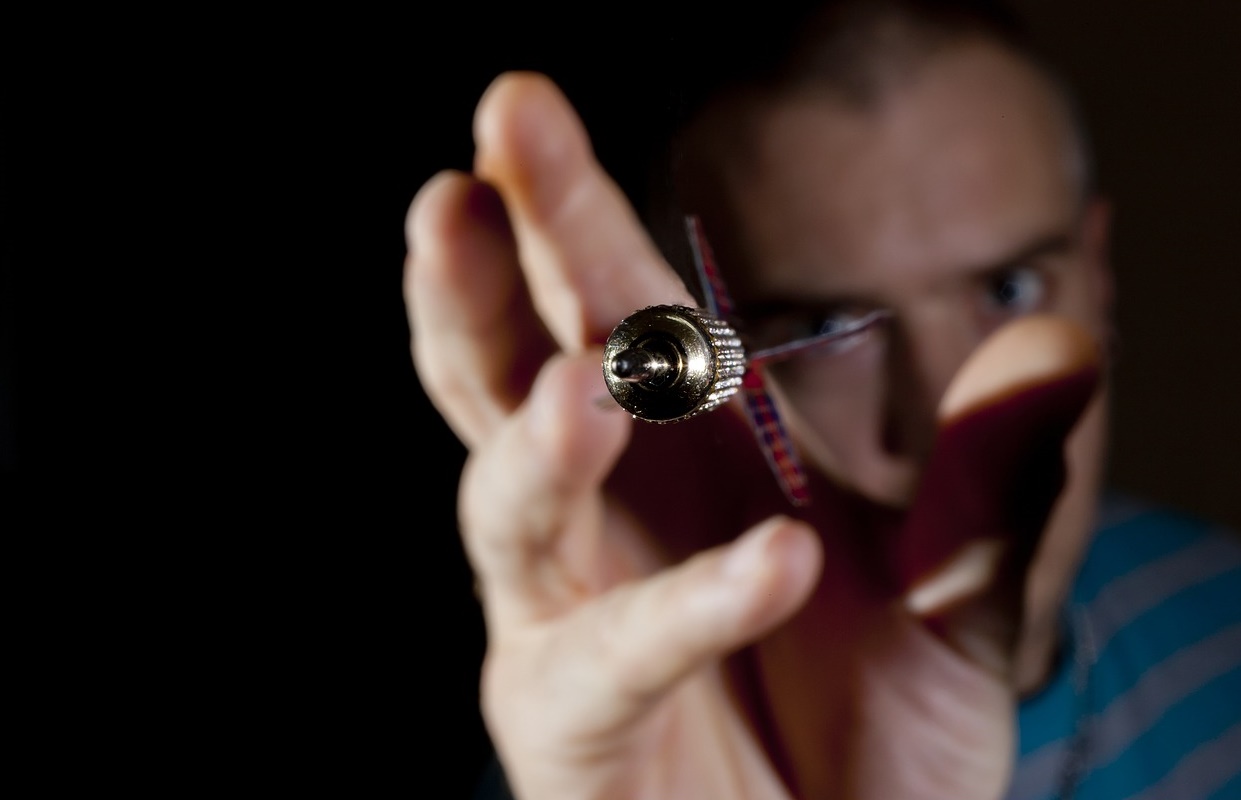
(637, 366)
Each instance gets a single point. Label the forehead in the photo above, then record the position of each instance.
(966, 158)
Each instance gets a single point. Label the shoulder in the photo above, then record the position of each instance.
(1158, 603)
(1158, 582)
(1147, 553)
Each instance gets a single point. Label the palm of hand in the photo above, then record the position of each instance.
(855, 696)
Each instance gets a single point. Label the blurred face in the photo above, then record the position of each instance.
(955, 205)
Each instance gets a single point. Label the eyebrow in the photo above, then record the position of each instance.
(1046, 245)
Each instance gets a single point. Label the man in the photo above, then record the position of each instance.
(660, 624)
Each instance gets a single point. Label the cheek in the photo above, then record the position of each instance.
(1078, 298)
(833, 399)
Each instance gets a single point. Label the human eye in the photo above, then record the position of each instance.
(833, 321)
(1015, 290)
(837, 326)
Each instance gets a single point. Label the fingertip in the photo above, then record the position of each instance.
(758, 548)
(779, 561)
(524, 126)
(701, 610)
(801, 549)
(962, 577)
(508, 96)
(454, 220)
(427, 211)
(424, 217)
(1029, 351)
(507, 83)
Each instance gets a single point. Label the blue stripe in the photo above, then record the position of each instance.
(1175, 623)
(1047, 715)
(1123, 548)
(1195, 721)
(1131, 595)
(1231, 790)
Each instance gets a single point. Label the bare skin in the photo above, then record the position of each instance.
(612, 668)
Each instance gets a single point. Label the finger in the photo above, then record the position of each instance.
(531, 494)
(992, 481)
(477, 343)
(997, 462)
(642, 639)
(587, 258)
(1030, 351)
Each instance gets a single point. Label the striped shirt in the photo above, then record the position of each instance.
(1147, 701)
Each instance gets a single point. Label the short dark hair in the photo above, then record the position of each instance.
(853, 49)
(846, 44)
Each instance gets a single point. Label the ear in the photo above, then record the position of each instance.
(1096, 238)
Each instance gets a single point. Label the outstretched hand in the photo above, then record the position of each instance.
(654, 630)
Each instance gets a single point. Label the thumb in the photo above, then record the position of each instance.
(991, 483)
(651, 634)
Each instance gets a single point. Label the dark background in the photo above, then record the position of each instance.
(311, 601)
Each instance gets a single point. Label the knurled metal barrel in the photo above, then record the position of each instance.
(668, 363)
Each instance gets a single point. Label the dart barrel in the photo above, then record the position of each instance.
(669, 363)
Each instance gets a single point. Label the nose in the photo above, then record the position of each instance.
(869, 416)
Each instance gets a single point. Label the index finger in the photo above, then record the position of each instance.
(586, 257)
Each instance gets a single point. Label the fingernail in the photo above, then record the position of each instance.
(748, 555)
(965, 574)
(416, 217)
